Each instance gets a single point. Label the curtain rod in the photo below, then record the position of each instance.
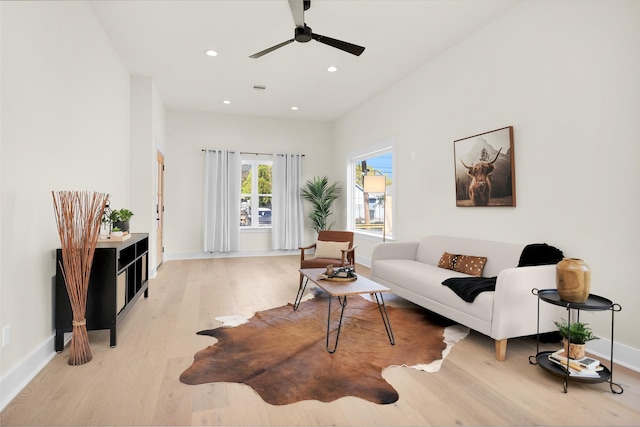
(247, 152)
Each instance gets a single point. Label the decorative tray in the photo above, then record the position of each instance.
(337, 279)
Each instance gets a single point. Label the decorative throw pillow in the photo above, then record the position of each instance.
(446, 261)
(467, 264)
(330, 249)
(472, 265)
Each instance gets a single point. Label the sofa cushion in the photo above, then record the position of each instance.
(426, 280)
(446, 261)
(468, 264)
(320, 263)
(500, 255)
(330, 249)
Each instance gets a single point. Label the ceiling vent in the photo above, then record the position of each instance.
(259, 87)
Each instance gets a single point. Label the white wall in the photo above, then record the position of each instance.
(65, 126)
(147, 136)
(565, 75)
(187, 133)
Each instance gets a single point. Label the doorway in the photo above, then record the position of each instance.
(160, 208)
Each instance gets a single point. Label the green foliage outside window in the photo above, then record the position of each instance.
(264, 183)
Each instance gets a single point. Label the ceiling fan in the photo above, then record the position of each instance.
(304, 34)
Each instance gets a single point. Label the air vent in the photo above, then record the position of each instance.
(259, 87)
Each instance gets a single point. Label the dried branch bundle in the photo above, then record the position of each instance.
(78, 214)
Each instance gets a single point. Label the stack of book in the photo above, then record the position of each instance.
(586, 367)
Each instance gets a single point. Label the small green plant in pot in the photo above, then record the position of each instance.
(120, 218)
(575, 337)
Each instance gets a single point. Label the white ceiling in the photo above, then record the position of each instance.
(166, 40)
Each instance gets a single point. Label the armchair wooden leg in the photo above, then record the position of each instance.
(501, 350)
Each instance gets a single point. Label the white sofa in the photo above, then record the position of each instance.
(410, 270)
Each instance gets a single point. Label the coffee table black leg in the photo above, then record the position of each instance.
(385, 317)
(343, 303)
(301, 288)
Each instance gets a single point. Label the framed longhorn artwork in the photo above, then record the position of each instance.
(485, 169)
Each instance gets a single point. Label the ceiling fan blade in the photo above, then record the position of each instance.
(271, 49)
(347, 47)
(297, 11)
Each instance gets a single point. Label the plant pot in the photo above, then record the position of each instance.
(575, 351)
(122, 225)
(573, 280)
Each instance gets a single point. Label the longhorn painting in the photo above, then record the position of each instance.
(485, 169)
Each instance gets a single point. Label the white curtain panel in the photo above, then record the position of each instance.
(287, 220)
(222, 171)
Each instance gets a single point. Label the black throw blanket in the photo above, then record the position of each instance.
(468, 288)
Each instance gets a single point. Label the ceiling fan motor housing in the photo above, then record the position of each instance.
(303, 34)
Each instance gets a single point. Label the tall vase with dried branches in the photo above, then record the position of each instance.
(78, 215)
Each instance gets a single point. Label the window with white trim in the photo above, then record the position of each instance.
(255, 193)
(371, 212)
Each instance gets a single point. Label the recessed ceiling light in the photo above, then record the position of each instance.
(226, 101)
(211, 52)
(332, 69)
(294, 108)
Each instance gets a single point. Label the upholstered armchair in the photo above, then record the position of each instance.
(332, 247)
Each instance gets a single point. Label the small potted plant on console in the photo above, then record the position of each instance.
(120, 219)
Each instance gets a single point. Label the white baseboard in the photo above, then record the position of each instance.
(13, 382)
(623, 355)
(236, 254)
(363, 261)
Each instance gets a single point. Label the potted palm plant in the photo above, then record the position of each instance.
(575, 337)
(321, 195)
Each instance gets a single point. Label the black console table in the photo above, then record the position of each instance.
(593, 303)
(119, 276)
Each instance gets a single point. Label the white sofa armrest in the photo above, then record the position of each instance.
(515, 307)
(394, 250)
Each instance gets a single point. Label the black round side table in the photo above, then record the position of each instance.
(593, 303)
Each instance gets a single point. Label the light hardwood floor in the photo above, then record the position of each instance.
(137, 383)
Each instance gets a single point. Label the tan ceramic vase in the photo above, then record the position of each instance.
(573, 280)
(575, 351)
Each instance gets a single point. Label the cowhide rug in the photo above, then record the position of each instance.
(281, 353)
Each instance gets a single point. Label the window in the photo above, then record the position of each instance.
(255, 193)
(371, 213)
